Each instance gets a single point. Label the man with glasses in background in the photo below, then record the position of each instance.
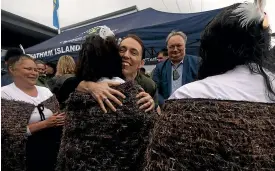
(177, 70)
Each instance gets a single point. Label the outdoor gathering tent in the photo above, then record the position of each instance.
(150, 25)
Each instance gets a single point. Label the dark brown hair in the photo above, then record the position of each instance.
(136, 38)
(99, 58)
(225, 45)
(12, 53)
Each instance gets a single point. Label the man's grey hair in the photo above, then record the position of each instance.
(176, 33)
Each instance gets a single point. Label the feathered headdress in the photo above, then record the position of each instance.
(102, 31)
(250, 13)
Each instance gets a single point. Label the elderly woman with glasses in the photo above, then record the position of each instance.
(31, 113)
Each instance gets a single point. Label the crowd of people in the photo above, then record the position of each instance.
(234, 63)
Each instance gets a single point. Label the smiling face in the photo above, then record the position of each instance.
(131, 52)
(24, 72)
(176, 48)
(41, 68)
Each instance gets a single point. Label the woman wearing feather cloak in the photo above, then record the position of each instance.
(31, 121)
(236, 60)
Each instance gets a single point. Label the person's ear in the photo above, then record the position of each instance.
(11, 69)
(142, 62)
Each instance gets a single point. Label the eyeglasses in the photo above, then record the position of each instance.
(176, 75)
(173, 46)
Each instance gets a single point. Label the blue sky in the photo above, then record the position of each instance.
(74, 11)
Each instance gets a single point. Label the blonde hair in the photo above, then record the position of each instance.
(65, 65)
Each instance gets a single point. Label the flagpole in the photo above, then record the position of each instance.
(21, 47)
(58, 17)
(56, 23)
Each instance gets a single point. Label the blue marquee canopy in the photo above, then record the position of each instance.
(150, 25)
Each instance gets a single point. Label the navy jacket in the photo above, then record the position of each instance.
(6, 80)
(163, 71)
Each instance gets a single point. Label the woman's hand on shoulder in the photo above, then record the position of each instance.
(145, 101)
(102, 93)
